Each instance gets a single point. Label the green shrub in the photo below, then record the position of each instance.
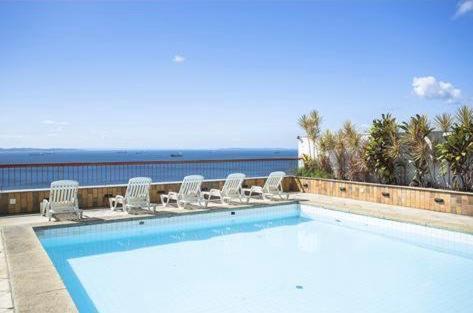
(418, 147)
(315, 173)
(456, 152)
(312, 168)
(383, 149)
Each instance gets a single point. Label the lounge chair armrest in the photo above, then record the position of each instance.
(256, 189)
(211, 193)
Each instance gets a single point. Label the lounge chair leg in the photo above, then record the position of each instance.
(112, 204)
(164, 200)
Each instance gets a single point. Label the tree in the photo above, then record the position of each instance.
(326, 146)
(311, 125)
(456, 152)
(354, 145)
(382, 150)
(444, 122)
(418, 147)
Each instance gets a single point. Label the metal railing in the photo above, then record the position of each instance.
(40, 175)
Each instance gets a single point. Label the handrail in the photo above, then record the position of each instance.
(111, 163)
(38, 175)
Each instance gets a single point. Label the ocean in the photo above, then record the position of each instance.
(24, 176)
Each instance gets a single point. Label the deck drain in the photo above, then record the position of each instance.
(141, 222)
(299, 287)
(338, 220)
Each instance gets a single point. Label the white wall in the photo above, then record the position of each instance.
(303, 147)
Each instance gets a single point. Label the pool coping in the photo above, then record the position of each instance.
(37, 286)
(28, 261)
(432, 219)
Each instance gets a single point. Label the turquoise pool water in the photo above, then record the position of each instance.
(285, 258)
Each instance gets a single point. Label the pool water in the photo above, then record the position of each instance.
(285, 258)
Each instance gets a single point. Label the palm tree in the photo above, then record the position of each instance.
(356, 168)
(419, 148)
(465, 116)
(456, 151)
(326, 146)
(444, 122)
(311, 125)
(340, 150)
(316, 122)
(306, 123)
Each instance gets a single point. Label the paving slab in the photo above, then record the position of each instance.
(448, 221)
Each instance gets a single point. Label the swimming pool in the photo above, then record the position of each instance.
(283, 258)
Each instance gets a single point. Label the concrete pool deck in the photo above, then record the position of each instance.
(37, 287)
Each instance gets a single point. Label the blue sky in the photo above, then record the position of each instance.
(199, 74)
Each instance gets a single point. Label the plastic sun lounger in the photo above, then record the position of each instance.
(272, 188)
(136, 196)
(189, 192)
(231, 190)
(62, 199)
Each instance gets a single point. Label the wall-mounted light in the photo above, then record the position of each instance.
(439, 200)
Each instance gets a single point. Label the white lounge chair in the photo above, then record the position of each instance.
(231, 189)
(272, 187)
(62, 199)
(136, 196)
(189, 192)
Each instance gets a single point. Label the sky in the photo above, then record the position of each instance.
(223, 74)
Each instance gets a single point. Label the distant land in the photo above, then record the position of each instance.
(123, 149)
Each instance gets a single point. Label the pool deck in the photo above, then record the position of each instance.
(30, 283)
(448, 221)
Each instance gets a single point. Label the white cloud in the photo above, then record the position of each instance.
(464, 7)
(12, 136)
(55, 123)
(54, 127)
(178, 59)
(429, 87)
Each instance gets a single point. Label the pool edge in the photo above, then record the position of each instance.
(28, 261)
(35, 283)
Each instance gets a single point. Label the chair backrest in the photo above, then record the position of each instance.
(274, 181)
(138, 189)
(191, 185)
(63, 194)
(233, 184)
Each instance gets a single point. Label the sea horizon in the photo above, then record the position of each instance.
(52, 155)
